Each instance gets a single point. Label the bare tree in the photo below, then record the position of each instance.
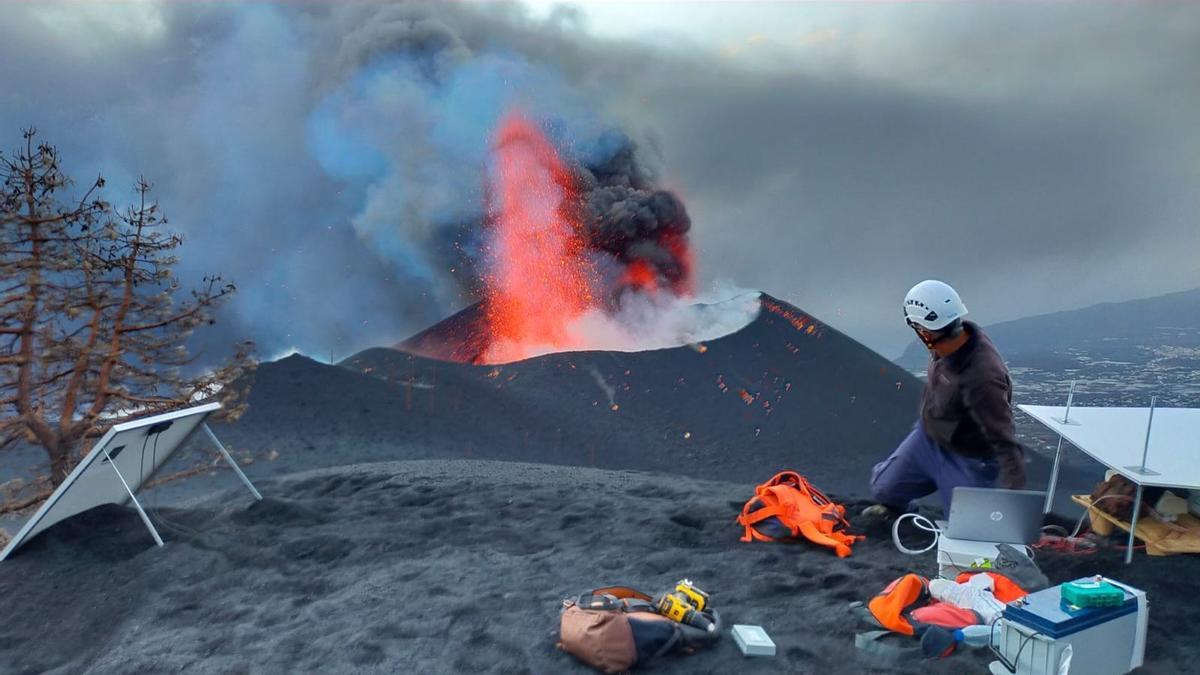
(93, 329)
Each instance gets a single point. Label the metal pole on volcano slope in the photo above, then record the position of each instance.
(1058, 453)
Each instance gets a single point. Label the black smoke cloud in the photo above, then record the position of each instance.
(634, 225)
(628, 218)
(331, 158)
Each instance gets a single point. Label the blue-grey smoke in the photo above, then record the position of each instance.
(328, 160)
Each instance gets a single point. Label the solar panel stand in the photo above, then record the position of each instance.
(1058, 453)
(141, 512)
(1137, 506)
(1142, 471)
(229, 458)
(1066, 418)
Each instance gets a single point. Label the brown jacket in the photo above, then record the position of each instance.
(966, 406)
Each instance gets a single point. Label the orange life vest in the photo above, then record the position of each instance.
(798, 509)
(906, 607)
(892, 608)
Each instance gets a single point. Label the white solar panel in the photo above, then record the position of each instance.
(1116, 437)
(135, 450)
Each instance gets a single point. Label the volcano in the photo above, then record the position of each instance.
(786, 390)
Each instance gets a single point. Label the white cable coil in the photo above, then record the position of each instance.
(921, 523)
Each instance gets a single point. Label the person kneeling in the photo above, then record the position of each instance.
(965, 435)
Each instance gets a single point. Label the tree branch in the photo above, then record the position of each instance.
(148, 400)
(21, 504)
(165, 322)
(78, 373)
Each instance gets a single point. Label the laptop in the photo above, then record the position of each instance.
(994, 515)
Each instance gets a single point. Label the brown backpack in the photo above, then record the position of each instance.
(1115, 497)
(617, 628)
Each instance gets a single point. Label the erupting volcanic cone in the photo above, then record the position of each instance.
(563, 244)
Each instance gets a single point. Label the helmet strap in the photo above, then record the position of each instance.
(951, 331)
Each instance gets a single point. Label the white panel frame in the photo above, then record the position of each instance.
(91, 483)
(1158, 452)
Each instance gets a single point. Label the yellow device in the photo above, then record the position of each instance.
(685, 605)
(698, 597)
(676, 607)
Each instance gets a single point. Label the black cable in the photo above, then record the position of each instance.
(178, 528)
(158, 516)
(1011, 666)
(142, 462)
(1021, 648)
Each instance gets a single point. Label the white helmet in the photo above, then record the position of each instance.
(933, 305)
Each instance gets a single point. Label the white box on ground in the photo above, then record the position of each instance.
(753, 640)
(958, 555)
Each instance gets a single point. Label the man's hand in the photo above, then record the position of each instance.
(1012, 469)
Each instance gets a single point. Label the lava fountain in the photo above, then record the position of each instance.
(538, 276)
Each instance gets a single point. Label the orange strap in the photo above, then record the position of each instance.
(839, 541)
(748, 519)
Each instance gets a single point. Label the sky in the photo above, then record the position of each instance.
(1039, 156)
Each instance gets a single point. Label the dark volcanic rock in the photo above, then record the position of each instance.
(786, 391)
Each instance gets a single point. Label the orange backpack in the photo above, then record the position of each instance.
(906, 607)
(788, 507)
(892, 608)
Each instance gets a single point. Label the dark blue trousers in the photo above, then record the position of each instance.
(920, 467)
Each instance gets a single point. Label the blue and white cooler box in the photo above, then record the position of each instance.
(1103, 640)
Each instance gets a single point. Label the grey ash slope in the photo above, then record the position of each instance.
(453, 566)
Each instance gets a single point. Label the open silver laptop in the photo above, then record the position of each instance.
(993, 515)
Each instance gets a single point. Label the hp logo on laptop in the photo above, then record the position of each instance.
(996, 515)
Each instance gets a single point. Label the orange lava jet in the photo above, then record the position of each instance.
(538, 276)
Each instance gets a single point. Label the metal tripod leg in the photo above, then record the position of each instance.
(145, 518)
(228, 458)
(1053, 477)
(1137, 506)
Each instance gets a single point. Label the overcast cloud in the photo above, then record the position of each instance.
(1037, 156)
